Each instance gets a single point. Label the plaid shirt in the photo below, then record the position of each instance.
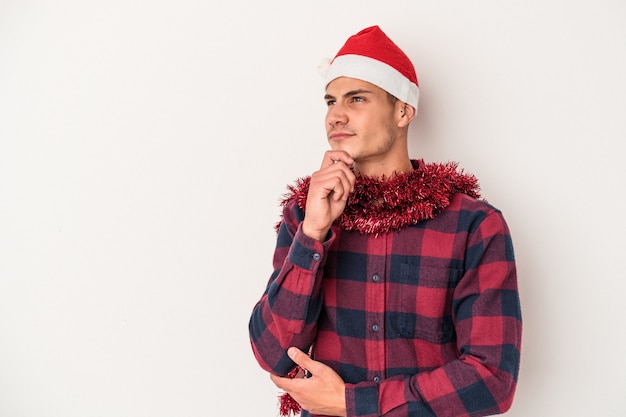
(423, 321)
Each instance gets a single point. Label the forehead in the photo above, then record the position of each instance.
(343, 85)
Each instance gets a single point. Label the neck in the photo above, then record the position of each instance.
(380, 169)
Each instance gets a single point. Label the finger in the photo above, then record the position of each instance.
(337, 190)
(334, 157)
(335, 182)
(347, 177)
(285, 383)
(278, 381)
(301, 358)
(347, 182)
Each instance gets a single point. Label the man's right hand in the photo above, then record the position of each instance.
(328, 193)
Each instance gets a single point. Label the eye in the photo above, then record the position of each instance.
(330, 102)
(358, 99)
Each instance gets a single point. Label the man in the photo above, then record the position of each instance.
(394, 285)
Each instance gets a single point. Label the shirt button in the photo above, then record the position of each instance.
(317, 256)
(377, 379)
(375, 327)
(375, 277)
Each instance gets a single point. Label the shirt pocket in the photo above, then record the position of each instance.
(420, 300)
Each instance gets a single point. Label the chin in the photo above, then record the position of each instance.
(338, 146)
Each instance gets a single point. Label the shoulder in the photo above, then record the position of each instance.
(467, 203)
(471, 213)
(293, 203)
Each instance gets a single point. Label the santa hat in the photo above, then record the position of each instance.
(371, 56)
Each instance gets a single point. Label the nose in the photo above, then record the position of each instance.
(336, 115)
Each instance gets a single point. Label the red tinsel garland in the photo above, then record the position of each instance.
(289, 406)
(379, 205)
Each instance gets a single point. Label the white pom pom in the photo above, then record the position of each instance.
(323, 67)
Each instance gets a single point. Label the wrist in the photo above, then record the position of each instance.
(313, 233)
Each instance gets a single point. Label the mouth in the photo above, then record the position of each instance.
(339, 135)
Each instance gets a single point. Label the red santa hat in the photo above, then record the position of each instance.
(371, 56)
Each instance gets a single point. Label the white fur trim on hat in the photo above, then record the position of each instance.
(377, 73)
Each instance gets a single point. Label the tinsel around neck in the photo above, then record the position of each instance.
(379, 205)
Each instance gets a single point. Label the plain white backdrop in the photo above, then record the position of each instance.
(144, 147)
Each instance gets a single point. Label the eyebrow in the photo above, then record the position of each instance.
(350, 93)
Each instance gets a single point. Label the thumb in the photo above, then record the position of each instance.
(300, 358)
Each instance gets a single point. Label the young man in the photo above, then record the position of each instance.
(394, 285)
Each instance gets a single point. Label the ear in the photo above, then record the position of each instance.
(405, 113)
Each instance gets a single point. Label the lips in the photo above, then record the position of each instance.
(339, 135)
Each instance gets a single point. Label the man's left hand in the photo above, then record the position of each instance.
(322, 393)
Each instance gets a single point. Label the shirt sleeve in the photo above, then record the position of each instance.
(487, 322)
(287, 313)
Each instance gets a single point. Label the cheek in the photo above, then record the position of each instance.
(382, 123)
(374, 125)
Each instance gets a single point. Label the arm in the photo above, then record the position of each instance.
(286, 315)
(486, 312)
(288, 311)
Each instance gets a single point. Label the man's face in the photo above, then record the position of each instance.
(360, 119)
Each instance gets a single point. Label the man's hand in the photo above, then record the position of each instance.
(328, 193)
(323, 393)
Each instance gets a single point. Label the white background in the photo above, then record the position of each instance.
(144, 146)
